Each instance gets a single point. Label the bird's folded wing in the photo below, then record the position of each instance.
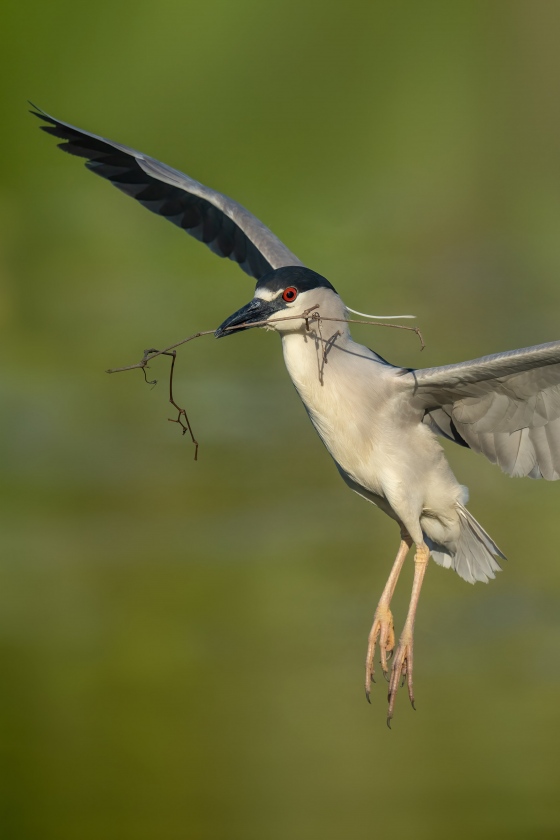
(225, 226)
(506, 406)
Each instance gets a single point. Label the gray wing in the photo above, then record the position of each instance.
(506, 406)
(225, 226)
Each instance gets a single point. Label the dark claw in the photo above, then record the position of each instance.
(389, 655)
(413, 705)
(388, 721)
(367, 697)
(386, 675)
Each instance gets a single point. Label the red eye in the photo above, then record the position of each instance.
(290, 294)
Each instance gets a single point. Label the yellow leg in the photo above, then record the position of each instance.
(382, 627)
(404, 655)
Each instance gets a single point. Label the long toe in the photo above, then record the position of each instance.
(382, 629)
(386, 644)
(401, 672)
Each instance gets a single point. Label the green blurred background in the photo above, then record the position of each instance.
(181, 643)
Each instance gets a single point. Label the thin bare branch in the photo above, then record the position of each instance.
(306, 316)
(381, 324)
(181, 412)
(152, 354)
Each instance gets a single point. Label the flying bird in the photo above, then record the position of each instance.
(380, 423)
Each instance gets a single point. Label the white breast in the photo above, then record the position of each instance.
(346, 392)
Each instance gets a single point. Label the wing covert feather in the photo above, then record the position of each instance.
(505, 406)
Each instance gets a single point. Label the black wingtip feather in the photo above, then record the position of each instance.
(40, 114)
(50, 129)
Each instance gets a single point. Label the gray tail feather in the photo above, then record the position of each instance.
(475, 552)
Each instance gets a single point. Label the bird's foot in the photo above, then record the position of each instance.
(401, 672)
(382, 629)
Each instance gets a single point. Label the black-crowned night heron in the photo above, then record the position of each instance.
(379, 422)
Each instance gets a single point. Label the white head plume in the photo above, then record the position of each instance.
(378, 317)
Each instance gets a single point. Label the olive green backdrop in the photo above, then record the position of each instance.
(181, 643)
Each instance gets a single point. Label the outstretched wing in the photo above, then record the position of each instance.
(506, 406)
(225, 226)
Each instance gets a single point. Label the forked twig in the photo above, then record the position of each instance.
(307, 316)
(182, 414)
(152, 354)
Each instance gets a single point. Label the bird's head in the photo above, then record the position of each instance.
(283, 298)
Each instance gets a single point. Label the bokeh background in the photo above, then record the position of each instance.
(181, 643)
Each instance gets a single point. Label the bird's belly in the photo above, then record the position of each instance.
(376, 438)
(357, 447)
(389, 456)
(373, 435)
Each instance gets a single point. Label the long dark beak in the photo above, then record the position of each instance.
(254, 312)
